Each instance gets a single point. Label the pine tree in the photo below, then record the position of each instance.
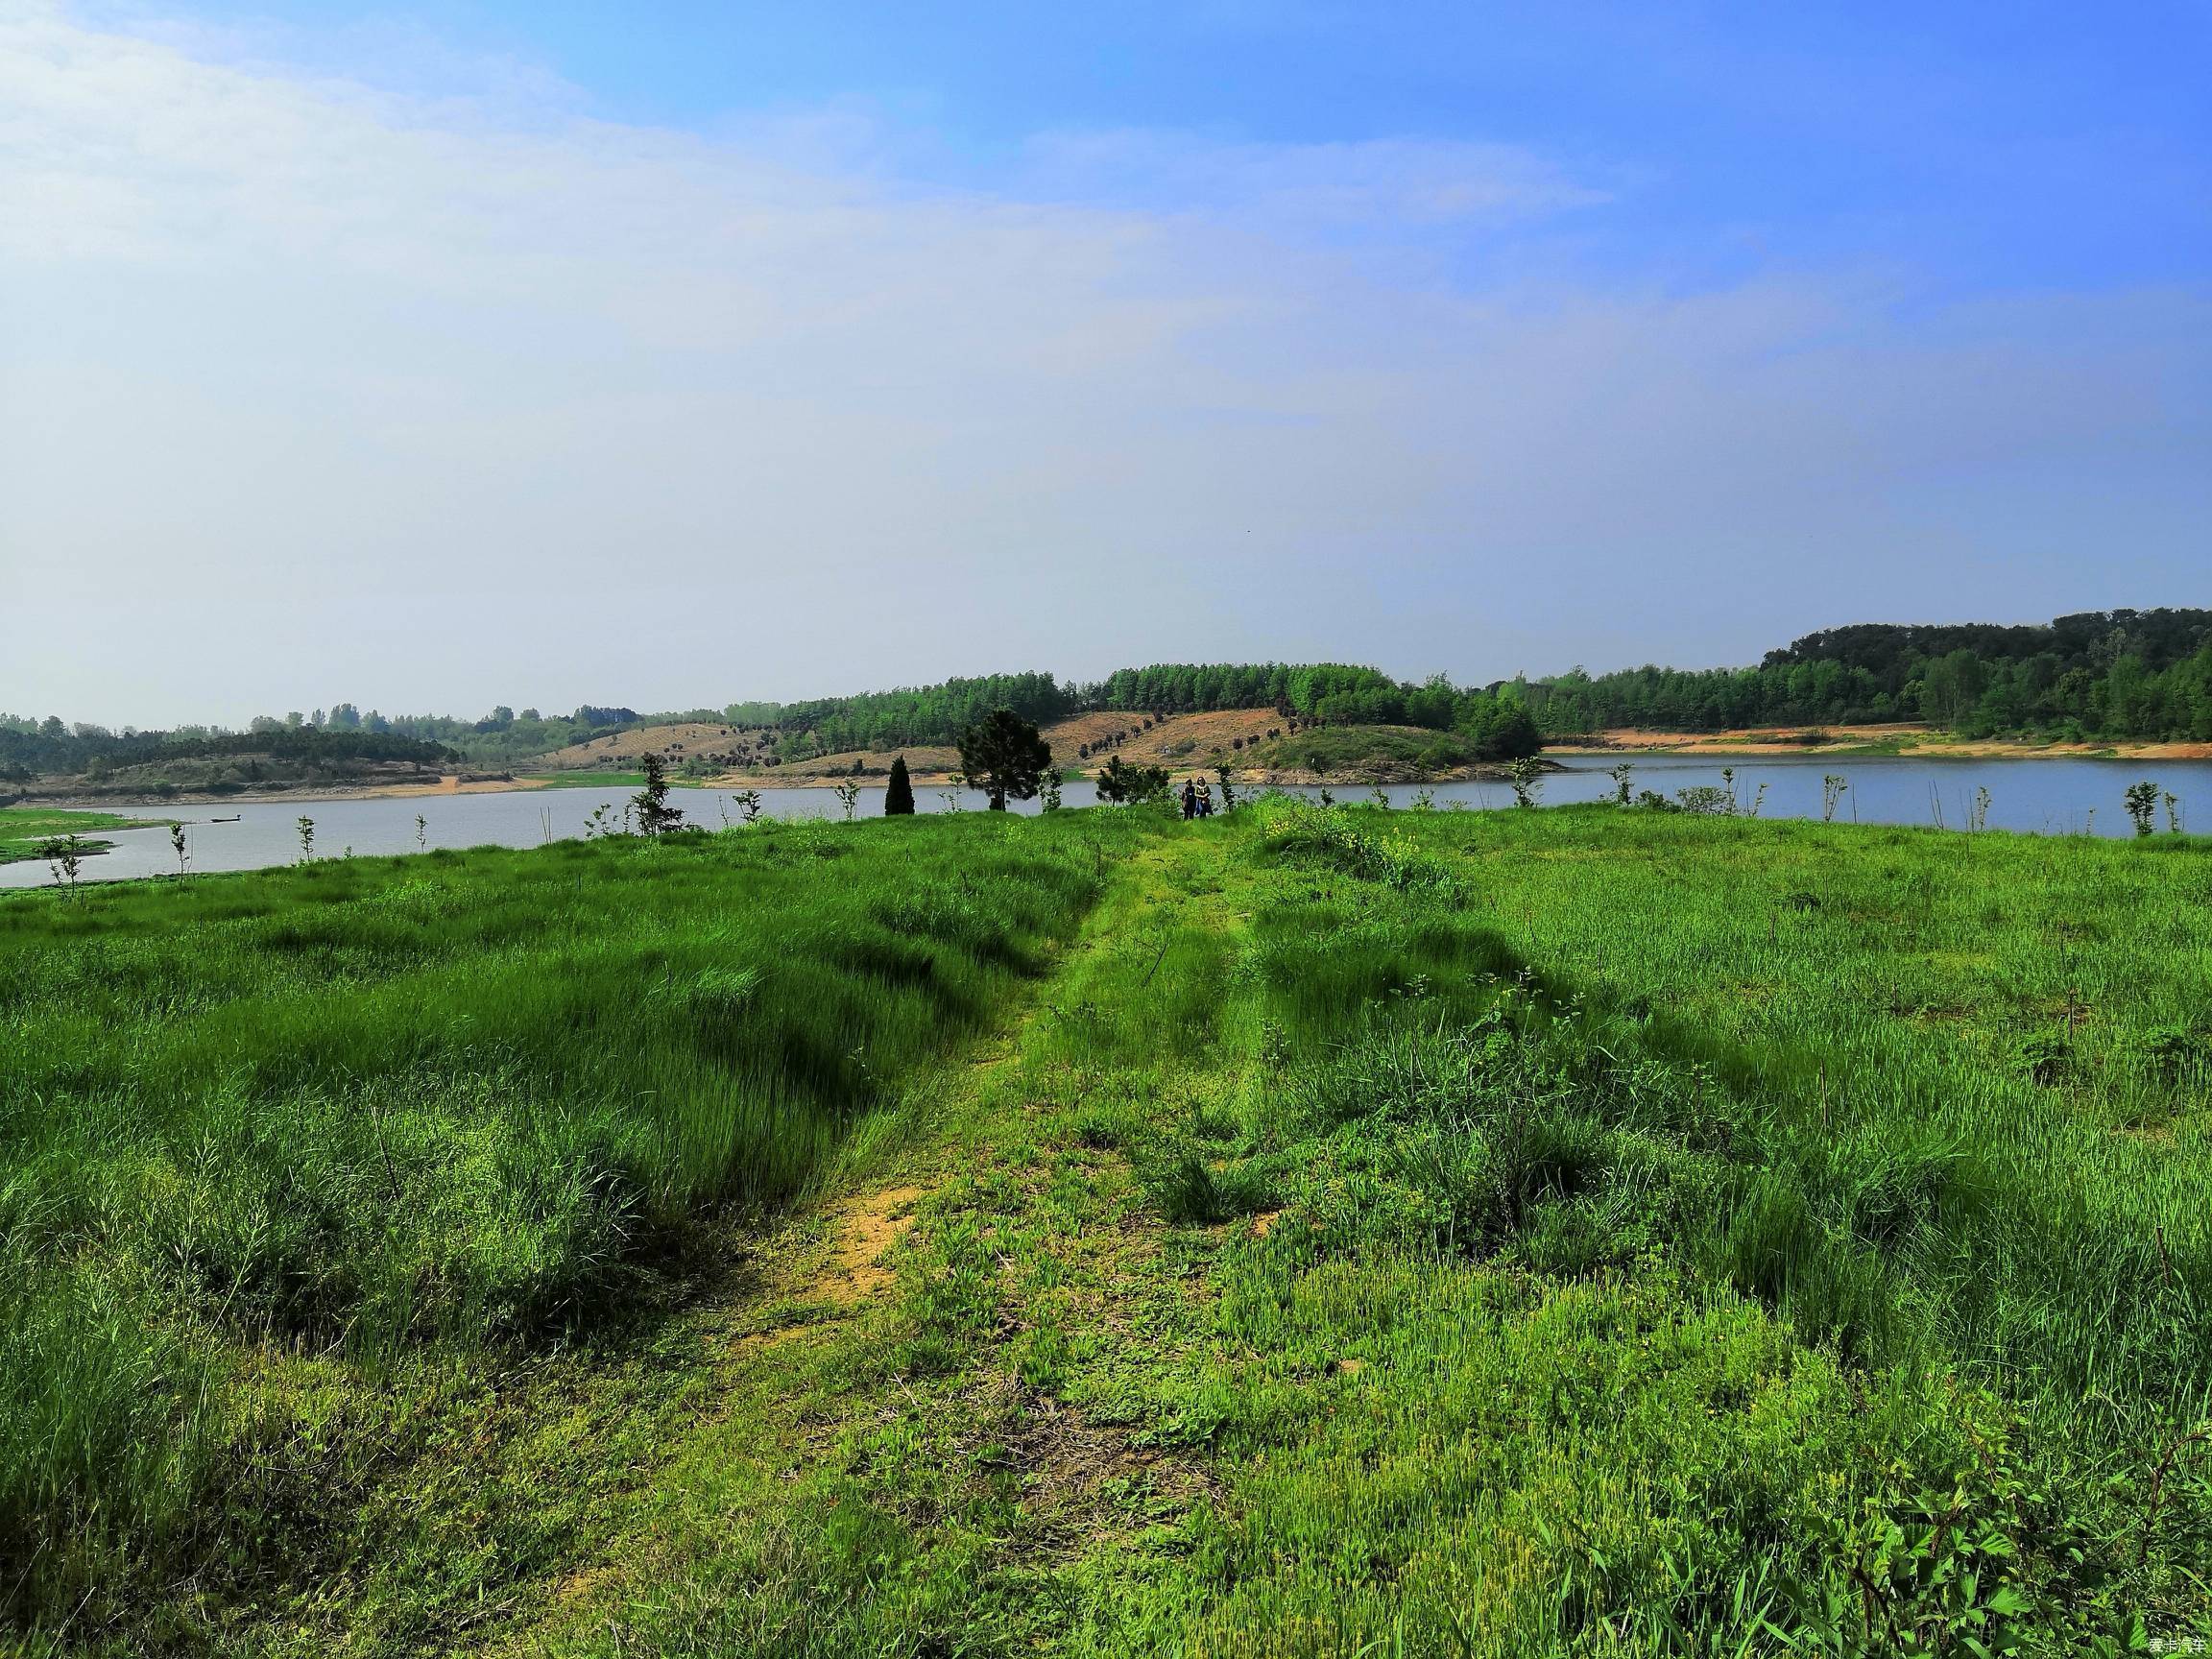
(1003, 756)
(899, 795)
(655, 816)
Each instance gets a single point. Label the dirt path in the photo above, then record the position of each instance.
(904, 1353)
(863, 1230)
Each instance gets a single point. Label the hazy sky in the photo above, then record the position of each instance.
(672, 354)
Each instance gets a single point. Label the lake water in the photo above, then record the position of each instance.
(2050, 797)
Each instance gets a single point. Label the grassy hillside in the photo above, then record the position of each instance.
(1179, 740)
(1576, 1231)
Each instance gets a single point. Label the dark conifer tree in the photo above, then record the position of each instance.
(899, 796)
(1003, 756)
(655, 816)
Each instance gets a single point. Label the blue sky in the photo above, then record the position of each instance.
(1465, 337)
(1983, 145)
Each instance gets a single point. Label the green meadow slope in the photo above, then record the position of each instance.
(1305, 1232)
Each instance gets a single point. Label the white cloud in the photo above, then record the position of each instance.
(311, 391)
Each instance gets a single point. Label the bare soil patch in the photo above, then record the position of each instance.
(865, 1229)
(459, 784)
(376, 782)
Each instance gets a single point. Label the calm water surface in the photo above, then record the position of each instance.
(2051, 797)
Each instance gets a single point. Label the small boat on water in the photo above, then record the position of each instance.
(232, 819)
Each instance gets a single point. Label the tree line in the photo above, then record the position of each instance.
(906, 717)
(34, 748)
(503, 734)
(2093, 675)
(2096, 674)
(1325, 693)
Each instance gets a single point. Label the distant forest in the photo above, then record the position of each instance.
(1494, 723)
(34, 748)
(2098, 675)
(1331, 693)
(2102, 674)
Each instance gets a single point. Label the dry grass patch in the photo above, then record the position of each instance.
(865, 1230)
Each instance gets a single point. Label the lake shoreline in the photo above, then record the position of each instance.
(1256, 777)
(1912, 743)
(553, 781)
(2064, 795)
(446, 788)
(1902, 741)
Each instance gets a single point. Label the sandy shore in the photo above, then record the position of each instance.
(1907, 741)
(450, 785)
(823, 781)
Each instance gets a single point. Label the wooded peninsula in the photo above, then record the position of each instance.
(2102, 677)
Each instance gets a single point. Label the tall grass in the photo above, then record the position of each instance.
(1592, 1233)
(1570, 1230)
(472, 1099)
(1939, 1103)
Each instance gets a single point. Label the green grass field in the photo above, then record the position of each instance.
(273, 1141)
(1310, 1231)
(25, 831)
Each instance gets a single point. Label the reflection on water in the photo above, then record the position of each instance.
(2042, 796)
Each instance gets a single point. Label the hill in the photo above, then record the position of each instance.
(1262, 746)
(89, 763)
(220, 777)
(825, 737)
(1259, 744)
(703, 751)
(682, 743)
